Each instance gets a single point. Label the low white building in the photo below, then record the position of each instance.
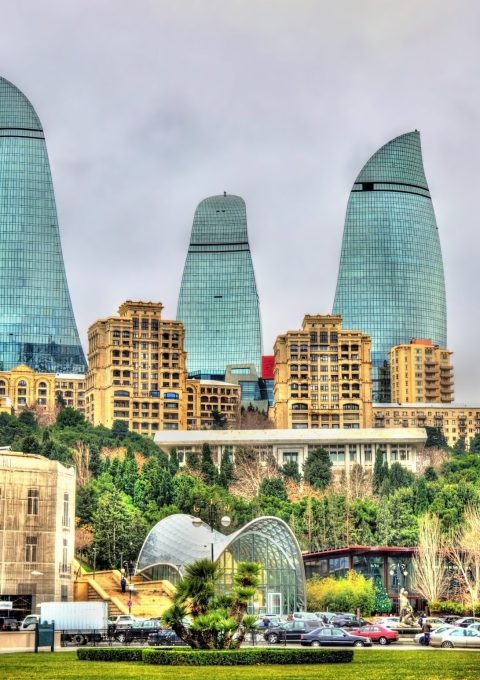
(346, 447)
(37, 532)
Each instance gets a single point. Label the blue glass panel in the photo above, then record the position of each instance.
(218, 302)
(391, 281)
(37, 326)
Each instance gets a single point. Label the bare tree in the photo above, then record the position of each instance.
(430, 577)
(251, 468)
(83, 538)
(464, 553)
(81, 460)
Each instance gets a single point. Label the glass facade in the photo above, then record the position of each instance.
(218, 302)
(391, 281)
(174, 542)
(37, 326)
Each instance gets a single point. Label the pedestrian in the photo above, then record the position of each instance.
(123, 583)
(426, 630)
(266, 622)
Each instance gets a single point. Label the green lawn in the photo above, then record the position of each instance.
(421, 664)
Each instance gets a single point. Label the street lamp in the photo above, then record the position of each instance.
(94, 562)
(398, 569)
(213, 519)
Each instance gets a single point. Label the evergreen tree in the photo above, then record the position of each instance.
(317, 469)
(380, 471)
(420, 493)
(119, 430)
(227, 470)
(290, 471)
(27, 418)
(165, 491)
(396, 477)
(173, 462)
(219, 421)
(273, 486)
(30, 444)
(435, 438)
(69, 417)
(208, 469)
(430, 474)
(475, 444)
(381, 603)
(129, 474)
(192, 461)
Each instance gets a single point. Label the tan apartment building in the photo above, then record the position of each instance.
(421, 372)
(204, 397)
(322, 376)
(22, 387)
(454, 420)
(37, 531)
(137, 370)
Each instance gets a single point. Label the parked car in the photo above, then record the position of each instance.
(333, 637)
(326, 617)
(456, 637)
(291, 631)
(467, 621)
(9, 624)
(435, 622)
(377, 633)
(29, 622)
(347, 621)
(388, 621)
(139, 630)
(272, 621)
(474, 626)
(120, 622)
(419, 637)
(302, 616)
(164, 637)
(451, 619)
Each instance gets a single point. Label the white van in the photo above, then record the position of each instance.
(29, 622)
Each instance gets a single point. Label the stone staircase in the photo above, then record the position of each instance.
(148, 598)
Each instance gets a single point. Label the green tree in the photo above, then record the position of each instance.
(173, 462)
(380, 471)
(290, 471)
(435, 438)
(475, 444)
(219, 421)
(69, 417)
(192, 461)
(460, 446)
(28, 419)
(208, 469)
(420, 495)
(430, 474)
(317, 469)
(273, 486)
(227, 470)
(396, 477)
(119, 429)
(381, 602)
(129, 474)
(30, 444)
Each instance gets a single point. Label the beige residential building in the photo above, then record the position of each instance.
(22, 387)
(454, 420)
(322, 376)
(204, 397)
(421, 372)
(136, 370)
(37, 531)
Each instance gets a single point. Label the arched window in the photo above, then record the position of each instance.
(299, 407)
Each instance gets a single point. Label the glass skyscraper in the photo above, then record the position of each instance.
(37, 326)
(390, 281)
(218, 301)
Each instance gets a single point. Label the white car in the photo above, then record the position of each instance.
(388, 621)
(438, 631)
(29, 622)
(456, 637)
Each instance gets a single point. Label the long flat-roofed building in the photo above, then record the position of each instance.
(346, 447)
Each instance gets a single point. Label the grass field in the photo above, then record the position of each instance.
(422, 664)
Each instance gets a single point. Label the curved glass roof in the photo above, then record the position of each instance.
(175, 541)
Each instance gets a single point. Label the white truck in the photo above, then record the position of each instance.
(80, 622)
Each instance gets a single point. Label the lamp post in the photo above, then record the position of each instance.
(213, 513)
(94, 562)
(398, 569)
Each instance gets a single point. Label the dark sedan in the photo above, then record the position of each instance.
(347, 621)
(139, 630)
(333, 637)
(164, 637)
(291, 631)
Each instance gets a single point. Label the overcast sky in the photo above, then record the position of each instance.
(149, 106)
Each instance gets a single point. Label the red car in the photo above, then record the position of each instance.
(376, 633)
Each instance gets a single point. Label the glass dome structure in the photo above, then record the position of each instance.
(174, 543)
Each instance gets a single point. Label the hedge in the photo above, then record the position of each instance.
(244, 657)
(109, 653)
(172, 656)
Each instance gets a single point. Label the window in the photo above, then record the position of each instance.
(31, 548)
(66, 507)
(32, 502)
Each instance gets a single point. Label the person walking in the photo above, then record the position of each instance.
(123, 584)
(426, 630)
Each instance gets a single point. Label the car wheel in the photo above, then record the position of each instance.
(358, 643)
(78, 639)
(382, 640)
(447, 644)
(272, 638)
(121, 637)
(315, 643)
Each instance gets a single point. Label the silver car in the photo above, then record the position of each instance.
(456, 637)
(442, 629)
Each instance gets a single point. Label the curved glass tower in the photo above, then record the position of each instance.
(390, 281)
(37, 326)
(218, 301)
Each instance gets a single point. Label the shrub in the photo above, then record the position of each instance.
(446, 607)
(245, 657)
(341, 595)
(109, 654)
